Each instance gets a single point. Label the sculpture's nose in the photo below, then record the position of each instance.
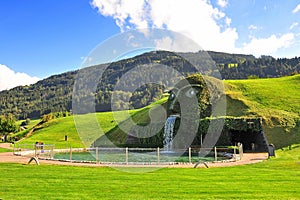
(174, 107)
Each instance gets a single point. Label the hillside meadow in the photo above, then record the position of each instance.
(275, 100)
(54, 131)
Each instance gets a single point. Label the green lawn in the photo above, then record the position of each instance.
(277, 178)
(2, 150)
(276, 100)
(54, 132)
(273, 93)
(22, 133)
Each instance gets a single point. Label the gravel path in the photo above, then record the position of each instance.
(5, 146)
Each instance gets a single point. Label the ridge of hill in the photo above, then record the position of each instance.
(54, 94)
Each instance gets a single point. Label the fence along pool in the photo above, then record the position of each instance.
(145, 156)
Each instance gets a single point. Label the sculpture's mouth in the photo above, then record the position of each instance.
(177, 115)
(174, 110)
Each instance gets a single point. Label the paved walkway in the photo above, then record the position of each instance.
(6, 146)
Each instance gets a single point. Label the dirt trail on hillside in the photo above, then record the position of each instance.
(248, 158)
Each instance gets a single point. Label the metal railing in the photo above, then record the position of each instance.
(38, 150)
(143, 156)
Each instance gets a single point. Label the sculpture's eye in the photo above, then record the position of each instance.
(172, 96)
(191, 93)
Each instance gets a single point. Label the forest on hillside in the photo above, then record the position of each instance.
(54, 94)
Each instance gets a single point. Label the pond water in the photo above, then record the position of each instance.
(133, 157)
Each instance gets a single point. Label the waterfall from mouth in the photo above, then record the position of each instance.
(168, 133)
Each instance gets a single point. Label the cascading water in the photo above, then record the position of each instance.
(168, 133)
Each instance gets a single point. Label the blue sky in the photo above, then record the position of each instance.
(39, 38)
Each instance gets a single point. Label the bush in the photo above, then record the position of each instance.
(8, 124)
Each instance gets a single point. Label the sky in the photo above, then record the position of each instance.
(40, 38)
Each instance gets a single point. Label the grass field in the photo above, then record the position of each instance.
(54, 132)
(2, 150)
(22, 133)
(273, 93)
(276, 100)
(277, 178)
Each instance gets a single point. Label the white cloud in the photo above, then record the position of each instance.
(222, 3)
(267, 46)
(296, 9)
(178, 43)
(199, 20)
(293, 25)
(10, 79)
(252, 27)
(123, 11)
(227, 21)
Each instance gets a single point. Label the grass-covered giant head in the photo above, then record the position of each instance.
(194, 95)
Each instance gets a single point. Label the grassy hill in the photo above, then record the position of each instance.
(54, 131)
(276, 100)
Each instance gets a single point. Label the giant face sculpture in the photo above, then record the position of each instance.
(188, 102)
(190, 96)
(192, 99)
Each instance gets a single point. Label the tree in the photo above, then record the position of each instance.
(8, 124)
